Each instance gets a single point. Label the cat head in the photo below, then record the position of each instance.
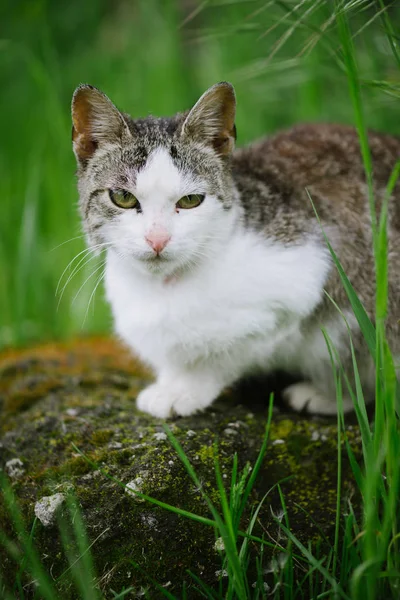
(158, 191)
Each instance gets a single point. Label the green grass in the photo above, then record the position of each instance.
(290, 62)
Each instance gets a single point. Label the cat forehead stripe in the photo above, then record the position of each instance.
(159, 176)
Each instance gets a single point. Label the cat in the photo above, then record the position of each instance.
(216, 265)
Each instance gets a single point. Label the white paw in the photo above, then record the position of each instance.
(163, 401)
(304, 397)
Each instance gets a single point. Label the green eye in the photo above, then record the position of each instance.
(190, 201)
(124, 199)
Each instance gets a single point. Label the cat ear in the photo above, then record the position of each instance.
(95, 120)
(212, 118)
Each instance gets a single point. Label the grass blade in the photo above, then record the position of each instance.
(33, 563)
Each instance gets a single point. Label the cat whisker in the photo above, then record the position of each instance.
(85, 251)
(87, 279)
(77, 237)
(81, 265)
(92, 296)
(76, 269)
(202, 254)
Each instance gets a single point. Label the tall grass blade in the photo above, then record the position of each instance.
(33, 563)
(366, 326)
(336, 588)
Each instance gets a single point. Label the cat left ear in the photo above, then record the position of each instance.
(95, 120)
(212, 119)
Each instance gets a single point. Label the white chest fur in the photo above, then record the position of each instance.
(234, 313)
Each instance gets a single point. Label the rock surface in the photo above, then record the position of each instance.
(57, 401)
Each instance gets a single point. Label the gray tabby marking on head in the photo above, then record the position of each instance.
(111, 147)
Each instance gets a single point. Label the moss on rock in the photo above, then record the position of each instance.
(58, 399)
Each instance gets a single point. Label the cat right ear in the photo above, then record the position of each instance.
(212, 118)
(95, 120)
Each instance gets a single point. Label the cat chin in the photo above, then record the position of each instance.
(160, 267)
(165, 267)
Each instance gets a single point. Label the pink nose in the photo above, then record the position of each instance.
(157, 240)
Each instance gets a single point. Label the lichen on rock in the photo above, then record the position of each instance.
(64, 405)
(14, 468)
(47, 507)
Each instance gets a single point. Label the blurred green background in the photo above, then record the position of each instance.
(151, 56)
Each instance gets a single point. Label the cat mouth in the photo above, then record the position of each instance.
(156, 258)
(155, 261)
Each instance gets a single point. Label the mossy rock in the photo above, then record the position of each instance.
(58, 398)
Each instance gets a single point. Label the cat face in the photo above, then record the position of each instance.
(157, 191)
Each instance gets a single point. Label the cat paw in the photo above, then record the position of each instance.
(303, 397)
(156, 401)
(163, 401)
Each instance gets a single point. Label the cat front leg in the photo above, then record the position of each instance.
(181, 392)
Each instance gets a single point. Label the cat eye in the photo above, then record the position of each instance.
(124, 199)
(190, 201)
